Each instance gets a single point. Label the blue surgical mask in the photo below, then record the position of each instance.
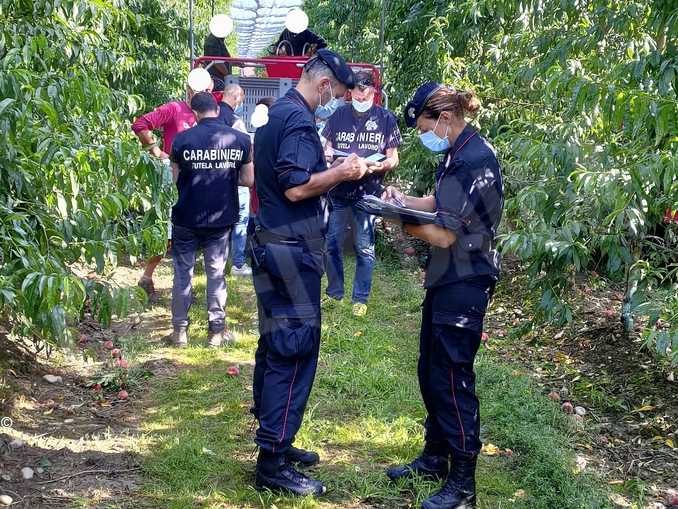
(433, 142)
(325, 111)
(239, 110)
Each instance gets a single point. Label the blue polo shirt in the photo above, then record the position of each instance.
(209, 157)
(364, 134)
(469, 197)
(287, 151)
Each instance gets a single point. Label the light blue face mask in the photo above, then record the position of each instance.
(240, 110)
(325, 111)
(433, 142)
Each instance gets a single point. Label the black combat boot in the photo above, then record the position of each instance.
(302, 457)
(276, 474)
(459, 491)
(431, 463)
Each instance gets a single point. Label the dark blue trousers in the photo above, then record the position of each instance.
(451, 329)
(287, 283)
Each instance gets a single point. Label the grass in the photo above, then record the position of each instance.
(364, 414)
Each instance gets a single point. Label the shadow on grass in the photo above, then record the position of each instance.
(364, 413)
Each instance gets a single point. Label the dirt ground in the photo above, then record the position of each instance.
(629, 432)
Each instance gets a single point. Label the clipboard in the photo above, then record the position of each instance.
(378, 207)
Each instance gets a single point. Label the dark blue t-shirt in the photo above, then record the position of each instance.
(364, 134)
(287, 151)
(469, 201)
(209, 156)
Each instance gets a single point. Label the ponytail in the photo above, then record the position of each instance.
(462, 103)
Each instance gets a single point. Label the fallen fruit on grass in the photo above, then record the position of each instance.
(121, 363)
(96, 387)
(567, 407)
(233, 371)
(410, 251)
(115, 352)
(123, 394)
(53, 379)
(554, 396)
(610, 313)
(672, 498)
(485, 337)
(108, 345)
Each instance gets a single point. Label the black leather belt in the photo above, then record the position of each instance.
(267, 237)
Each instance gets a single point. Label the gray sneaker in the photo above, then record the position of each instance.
(180, 337)
(245, 270)
(219, 339)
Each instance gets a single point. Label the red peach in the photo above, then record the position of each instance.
(108, 345)
(123, 394)
(567, 407)
(122, 363)
(116, 352)
(233, 371)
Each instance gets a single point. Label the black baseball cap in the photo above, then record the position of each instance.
(364, 78)
(340, 69)
(203, 102)
(414, 108)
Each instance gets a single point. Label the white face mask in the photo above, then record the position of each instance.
(361, 106)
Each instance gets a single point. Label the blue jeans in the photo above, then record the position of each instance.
(239, 237)
(185, 244)
(363, 244)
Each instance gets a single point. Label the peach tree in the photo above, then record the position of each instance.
(580, 101)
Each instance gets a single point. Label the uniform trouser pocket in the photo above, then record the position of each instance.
(457, 315)
(294, 331)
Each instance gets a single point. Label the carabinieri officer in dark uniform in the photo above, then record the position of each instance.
(209, 161)
(460, 277)
(291, 175)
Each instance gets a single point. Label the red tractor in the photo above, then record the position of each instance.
(273, 77)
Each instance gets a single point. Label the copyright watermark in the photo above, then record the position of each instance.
(6, 422)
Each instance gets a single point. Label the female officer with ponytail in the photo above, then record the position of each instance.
(462, 271)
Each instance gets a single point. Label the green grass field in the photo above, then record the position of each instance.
(364, 414)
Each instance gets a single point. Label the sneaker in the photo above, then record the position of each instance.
(180, 337)
(330, 300)
(359, 309)
(219, 339)
(302, 457)
(245, 270)
(146, 284)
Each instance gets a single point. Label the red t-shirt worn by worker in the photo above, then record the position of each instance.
(173, 118)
